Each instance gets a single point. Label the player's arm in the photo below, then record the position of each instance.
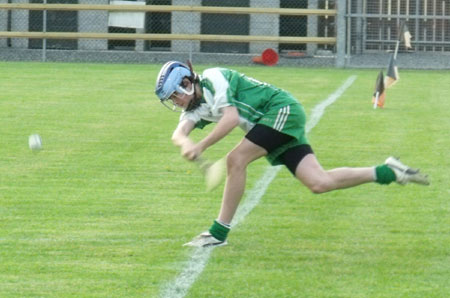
(226, 124)
(181, 133)
(180, 138)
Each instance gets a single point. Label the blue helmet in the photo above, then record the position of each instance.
(170, 79)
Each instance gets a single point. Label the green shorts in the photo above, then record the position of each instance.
(288, 119)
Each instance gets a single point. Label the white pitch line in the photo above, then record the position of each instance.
(319, 109)
(199, 258)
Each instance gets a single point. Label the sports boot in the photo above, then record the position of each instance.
(405, 174)
(205, 239)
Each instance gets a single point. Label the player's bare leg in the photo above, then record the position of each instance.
(311, 174)
(318, 180)
(237, 162)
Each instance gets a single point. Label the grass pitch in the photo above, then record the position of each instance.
(103, 209)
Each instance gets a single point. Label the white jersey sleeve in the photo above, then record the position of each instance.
(215, 98)
(220, 87)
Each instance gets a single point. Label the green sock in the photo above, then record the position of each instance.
(384, 174)
(219, 231)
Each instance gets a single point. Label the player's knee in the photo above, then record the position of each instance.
(318, 186)
(235, 162)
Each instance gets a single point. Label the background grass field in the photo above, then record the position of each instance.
(103, 210)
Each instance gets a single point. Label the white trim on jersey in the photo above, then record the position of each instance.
(282, 116)
(250, 110)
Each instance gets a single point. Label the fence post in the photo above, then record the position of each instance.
(340, 33)
(44, 29)
(313, 21)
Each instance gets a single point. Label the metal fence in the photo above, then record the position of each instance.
(375, 24)
(373, 28)
(352, 33)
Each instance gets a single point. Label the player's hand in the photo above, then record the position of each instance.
(190, 150)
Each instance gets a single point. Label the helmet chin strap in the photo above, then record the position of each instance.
(195, 102)
(187, 92)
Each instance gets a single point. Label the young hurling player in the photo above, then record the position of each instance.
(274, 122)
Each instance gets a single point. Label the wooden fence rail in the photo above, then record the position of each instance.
(169, 8)
(199, 37)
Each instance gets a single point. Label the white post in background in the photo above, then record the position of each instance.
(186, 23)
(20, 22)
(313, 24)
(4, 24)
(191, 42)
(44, 29)
(443, 25)
(93, 21)
(340, 33)
(264, 24)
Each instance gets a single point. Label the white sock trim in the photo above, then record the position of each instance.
(374, 174)
(223, 224)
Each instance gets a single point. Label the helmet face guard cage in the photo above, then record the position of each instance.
(170, 80)
(171, 105)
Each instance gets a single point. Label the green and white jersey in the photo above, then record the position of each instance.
(257, 103)
(224, 87)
